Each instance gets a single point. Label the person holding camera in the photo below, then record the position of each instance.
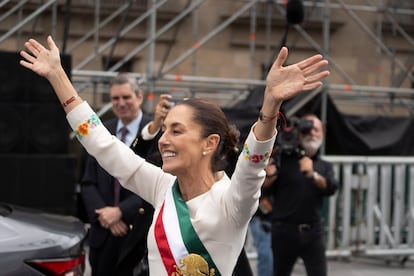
(303, 181)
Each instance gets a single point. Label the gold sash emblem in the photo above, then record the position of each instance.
(193, 265)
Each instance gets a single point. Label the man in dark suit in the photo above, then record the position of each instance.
(119, 219)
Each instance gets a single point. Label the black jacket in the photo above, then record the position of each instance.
(97, 190)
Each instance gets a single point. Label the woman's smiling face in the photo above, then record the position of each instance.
(181, 145)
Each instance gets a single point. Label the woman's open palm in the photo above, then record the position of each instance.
(285, 82)
(41, 60)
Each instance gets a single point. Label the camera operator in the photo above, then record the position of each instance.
(303, 180)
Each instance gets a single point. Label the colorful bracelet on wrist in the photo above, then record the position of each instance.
(70, 100)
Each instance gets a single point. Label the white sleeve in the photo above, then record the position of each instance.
(145, 133)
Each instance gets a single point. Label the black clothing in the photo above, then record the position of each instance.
(296, 198)
(297, 227)
(290, 242)
(134, 249)
(242, 267)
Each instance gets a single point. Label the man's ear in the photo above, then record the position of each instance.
(140, 96)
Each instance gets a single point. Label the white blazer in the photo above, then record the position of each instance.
(220, 216)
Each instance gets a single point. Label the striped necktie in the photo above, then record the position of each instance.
(117, 186)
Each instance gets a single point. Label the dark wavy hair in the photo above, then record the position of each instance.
(213, 121)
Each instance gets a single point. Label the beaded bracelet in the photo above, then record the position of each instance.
(70, 100)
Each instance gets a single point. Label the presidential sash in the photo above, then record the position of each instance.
(181, 249)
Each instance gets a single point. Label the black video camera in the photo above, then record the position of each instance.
(288, 140)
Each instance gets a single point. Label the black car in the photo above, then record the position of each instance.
(33, 242)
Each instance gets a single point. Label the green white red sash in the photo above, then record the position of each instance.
(179, 240)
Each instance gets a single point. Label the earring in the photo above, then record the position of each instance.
(204, 153)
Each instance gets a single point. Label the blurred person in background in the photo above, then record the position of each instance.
(303, 181)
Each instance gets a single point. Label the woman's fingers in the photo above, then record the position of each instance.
(28, 59)
(306, 63)
(313, 68)
(51, 42)
(36, 45)
(281, 58)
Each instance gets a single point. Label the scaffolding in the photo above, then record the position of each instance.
(394, 16)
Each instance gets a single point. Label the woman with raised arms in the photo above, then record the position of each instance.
(201, 215)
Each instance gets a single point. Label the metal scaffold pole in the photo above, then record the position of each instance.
(385, 13)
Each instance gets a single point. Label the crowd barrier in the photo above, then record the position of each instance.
(372, 214)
